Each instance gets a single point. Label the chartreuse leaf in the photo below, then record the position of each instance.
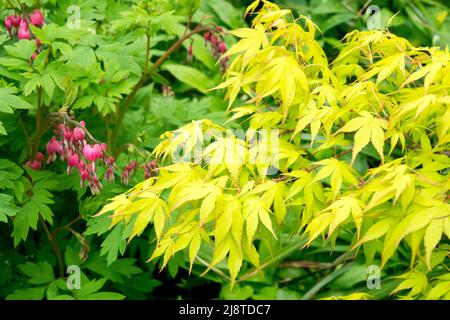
(432, 237)
(367, 129)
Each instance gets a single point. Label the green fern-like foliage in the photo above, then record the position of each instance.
(355, 150)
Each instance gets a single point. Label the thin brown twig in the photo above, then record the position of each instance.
(59, 229)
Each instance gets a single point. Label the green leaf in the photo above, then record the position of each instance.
(40, 273)
(26, 218)
(113, 244)
(9, 101)
(22, 49)
(190, 76)
(6, 208)
(28, 294)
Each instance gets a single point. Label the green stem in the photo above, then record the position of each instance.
(25, 132)
(56, 249)
(39, 132)
(283, 253)
(322, 283)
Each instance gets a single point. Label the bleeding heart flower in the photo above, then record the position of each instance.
(222, 47)
(73, 160)
(92, 152)
(81, 166)
(206, 36)
(8, 23)
(15, 20)
(24, 34)
(40, 156)
(36, 165)
(109, 175)
(38, 42)
(37, 18)
(104, 147)
(125, 177)
(33, 56)
(23, 24)
(78, 134)
(54, 146)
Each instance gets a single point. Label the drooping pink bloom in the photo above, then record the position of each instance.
(92, 152)
(83, 123)
(81, 166)
(24, 33)
(125, 177)
(67, 133)
(78, 134)
(40, 156)
(36, 165)
(54, 147)
(15, 20)
(222, 47)
(38, 42)
(8, 23)
(37, 18)
(95, 185)
(206, 36)
(73, 159)
(104, 147)
(84, 175)
(109, 175)
(33, 56)
(23, 24)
